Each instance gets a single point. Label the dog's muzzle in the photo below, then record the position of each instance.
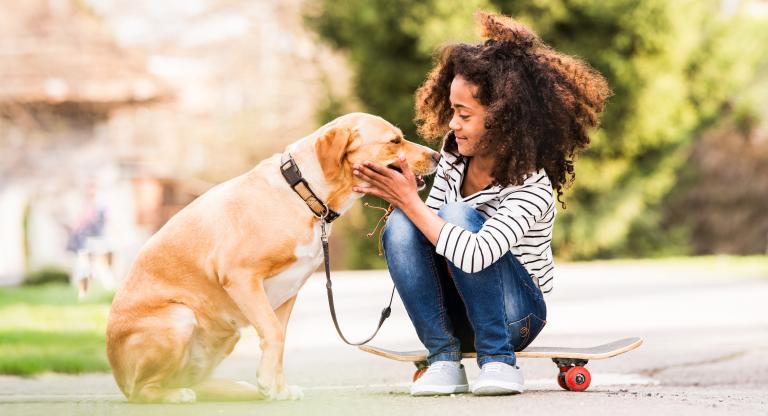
(419, 179)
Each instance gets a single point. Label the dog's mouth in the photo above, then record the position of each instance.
(419, 179)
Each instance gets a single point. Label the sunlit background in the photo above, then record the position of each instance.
(114, 114)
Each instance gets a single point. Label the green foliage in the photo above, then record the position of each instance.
(389, 44)
(46, 275)
(386, 59)
(674, 68)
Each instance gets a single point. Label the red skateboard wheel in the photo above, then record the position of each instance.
(577, 378)
(561, 377)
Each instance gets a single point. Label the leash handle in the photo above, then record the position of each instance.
(329, 289)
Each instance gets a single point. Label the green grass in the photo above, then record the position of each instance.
(45, 328)
(26, 353)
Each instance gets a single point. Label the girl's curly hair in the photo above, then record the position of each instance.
(539, 103)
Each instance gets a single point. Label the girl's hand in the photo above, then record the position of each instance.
(399, 189)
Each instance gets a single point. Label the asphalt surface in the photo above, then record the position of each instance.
(705, 352)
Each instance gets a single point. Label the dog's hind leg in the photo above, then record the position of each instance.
(153, 355)
(151, 374)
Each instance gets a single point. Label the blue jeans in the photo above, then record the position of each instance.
(495, 312)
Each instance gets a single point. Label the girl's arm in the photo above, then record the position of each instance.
(471, 252)
(520, 210)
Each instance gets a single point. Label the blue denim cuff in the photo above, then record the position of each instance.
(506, 359)
(445, 356)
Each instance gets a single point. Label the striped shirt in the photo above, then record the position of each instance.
(519, 219)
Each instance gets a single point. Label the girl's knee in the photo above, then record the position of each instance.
(461, 214)
(398, 228)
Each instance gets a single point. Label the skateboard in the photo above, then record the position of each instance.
(573, 375)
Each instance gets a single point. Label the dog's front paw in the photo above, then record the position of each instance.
(290, 393)
(273, 392)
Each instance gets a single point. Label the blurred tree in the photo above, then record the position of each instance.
(389, 44)
(674, 67)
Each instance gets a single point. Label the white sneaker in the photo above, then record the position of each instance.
(497, 378)
(442, 377)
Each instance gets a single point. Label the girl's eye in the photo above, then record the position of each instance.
(465, 118)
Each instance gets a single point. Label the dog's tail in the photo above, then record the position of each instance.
(226, 390)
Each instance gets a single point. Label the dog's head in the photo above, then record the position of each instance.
(359, 137)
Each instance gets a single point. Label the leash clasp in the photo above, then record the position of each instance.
(323, 229)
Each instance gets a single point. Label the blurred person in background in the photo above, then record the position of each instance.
(88, 241)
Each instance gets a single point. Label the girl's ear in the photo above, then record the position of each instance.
(331, 149)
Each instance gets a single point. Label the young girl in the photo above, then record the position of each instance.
(473, 264)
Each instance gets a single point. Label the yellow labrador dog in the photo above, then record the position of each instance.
(237, 256)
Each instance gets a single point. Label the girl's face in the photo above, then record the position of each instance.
(468, 121)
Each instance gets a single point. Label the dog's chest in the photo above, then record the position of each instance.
(287, 283)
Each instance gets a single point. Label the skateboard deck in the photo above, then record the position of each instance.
(571, 361)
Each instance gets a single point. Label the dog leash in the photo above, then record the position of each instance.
(326, 215)
(329, 288)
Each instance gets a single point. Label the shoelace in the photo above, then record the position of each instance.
(438, 366)
(496, 367)
(492, 368)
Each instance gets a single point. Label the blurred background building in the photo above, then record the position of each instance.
(143, 105)
(130, 109)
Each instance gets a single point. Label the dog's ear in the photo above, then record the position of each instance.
(332, 148)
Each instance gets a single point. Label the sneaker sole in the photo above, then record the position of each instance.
(440, 390)
(497, 388)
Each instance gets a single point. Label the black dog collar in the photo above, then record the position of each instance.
(292, 175)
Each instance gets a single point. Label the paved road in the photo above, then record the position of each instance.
(705, 352)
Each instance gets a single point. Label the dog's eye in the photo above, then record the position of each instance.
(396, 140)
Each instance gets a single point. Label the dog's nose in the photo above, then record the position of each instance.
(436, 156)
